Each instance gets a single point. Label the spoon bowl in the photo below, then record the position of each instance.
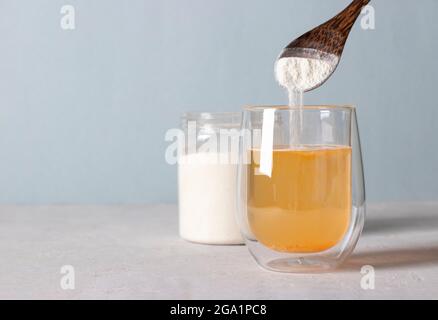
(325, 43)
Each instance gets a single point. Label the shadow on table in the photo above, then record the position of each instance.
(408, 221)
(393, 258)
(417, 221)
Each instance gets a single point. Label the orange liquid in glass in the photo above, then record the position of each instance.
(305, 205)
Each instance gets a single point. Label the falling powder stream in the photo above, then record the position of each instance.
(295, 116)
(298, 75)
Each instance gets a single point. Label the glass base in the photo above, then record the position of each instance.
(316, 262)
(293, 263)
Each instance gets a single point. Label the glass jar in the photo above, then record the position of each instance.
(300, 186)
(207, 177)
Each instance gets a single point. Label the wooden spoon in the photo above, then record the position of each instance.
(326, 41)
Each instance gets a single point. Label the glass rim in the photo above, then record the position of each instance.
(348, 107)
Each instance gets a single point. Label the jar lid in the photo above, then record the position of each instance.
(220, 120)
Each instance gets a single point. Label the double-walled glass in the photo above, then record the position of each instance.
(301, 193)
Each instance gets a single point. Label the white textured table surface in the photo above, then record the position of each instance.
(134, 252)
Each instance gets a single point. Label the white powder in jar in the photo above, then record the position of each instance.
(207, 199)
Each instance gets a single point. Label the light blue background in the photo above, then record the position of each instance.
(83, 113)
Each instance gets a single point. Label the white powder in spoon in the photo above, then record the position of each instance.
(303, 74)
(298, 75)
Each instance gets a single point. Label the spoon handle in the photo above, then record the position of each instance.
(331, 36)
(343, 22)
